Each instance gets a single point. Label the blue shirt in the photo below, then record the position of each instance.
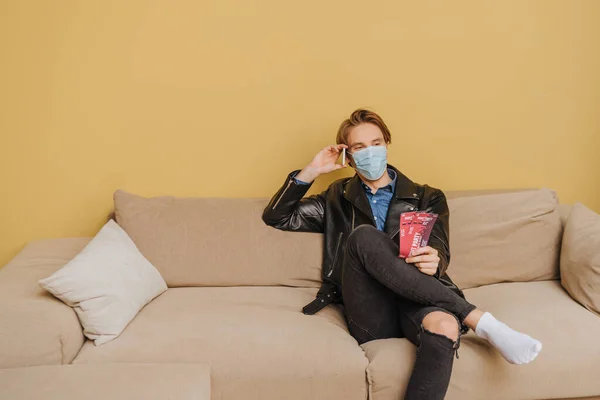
(380, 201)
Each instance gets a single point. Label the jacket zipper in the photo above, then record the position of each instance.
(395, 232)
(437, 237)
(282, 193)
(336, 254)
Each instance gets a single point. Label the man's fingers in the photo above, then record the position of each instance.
(426, 268)
(335, 148)
(424, 258)
(420, 250)
(424, 250)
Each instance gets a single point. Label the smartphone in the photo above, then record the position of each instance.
(344, 156)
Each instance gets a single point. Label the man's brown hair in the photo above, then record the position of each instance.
(362, 116)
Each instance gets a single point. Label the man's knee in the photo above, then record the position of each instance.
(442, 323)
(360, 235)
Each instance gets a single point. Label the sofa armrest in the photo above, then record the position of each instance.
(35, 327)
(580, 257)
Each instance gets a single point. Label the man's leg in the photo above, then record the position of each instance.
(375, 253)
(373, 312)
(436, 334)
(369, 307)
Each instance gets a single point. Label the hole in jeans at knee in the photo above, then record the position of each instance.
(441, 335)
(454, 344)
(458, 326)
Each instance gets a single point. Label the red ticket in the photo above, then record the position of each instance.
(415, 229)
(406, 232)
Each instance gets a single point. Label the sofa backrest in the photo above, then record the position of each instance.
(504, 237)
(495, 236)
(218, 242)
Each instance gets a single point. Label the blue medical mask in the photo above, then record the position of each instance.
(371, 162)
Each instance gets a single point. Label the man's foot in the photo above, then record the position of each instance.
(515, 347)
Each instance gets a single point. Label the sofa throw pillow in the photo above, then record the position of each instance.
(580, 257)
(107, 283)
(507, 237)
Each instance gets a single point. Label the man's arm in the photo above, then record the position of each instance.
(289, 211)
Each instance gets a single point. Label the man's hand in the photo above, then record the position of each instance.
(322, 163)
(426, 259)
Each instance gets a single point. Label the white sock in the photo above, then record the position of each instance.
(515, 347)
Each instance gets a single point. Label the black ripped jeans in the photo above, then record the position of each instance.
(384, 297)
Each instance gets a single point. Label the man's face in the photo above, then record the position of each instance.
(362, 136)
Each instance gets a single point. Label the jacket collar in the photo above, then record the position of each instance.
(405, 188)
(355, 193)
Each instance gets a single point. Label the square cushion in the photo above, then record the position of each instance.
(107, 283)
(580, 257)
(566, 367)
(506, 237)
(218, 242)
(257, 341)
(107, 381)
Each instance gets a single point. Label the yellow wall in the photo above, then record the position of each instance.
(223, 98)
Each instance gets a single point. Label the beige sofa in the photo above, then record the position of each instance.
(231, 324)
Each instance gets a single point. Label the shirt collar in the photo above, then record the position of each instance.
(390, 186)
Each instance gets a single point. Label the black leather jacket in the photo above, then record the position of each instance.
(344, 206)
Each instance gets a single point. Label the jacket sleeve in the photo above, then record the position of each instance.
(440, 233)
(289, 211)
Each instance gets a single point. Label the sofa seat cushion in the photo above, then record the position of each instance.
(256, 339)
(566, 367)
(108, 381)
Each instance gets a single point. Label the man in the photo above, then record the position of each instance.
(382, 295)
